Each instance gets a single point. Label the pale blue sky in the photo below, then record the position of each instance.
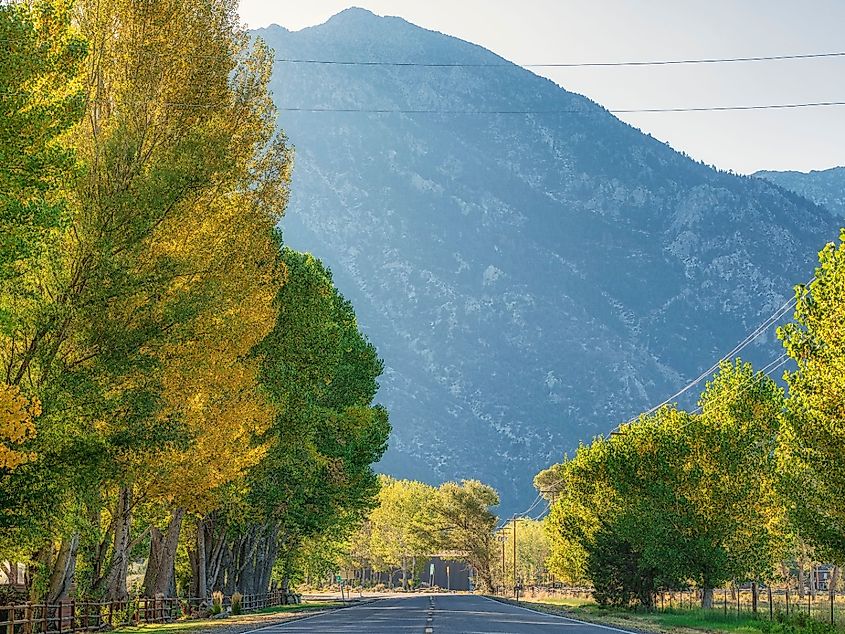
(549, 31)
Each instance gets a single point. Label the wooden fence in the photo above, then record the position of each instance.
(770, 604)
(84, 616)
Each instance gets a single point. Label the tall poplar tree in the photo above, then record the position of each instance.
(813, 439)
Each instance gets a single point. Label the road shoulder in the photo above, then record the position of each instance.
(610, 622)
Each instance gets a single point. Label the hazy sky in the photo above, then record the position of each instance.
(559, 31)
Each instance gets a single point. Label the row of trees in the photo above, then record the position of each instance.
(732, 492)
(175, 386)
(412, 522)
(531, 551)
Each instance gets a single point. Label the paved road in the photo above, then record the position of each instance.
(452, 614)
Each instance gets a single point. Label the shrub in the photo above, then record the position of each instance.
(236, 602)
(619, 577)
(216, 602)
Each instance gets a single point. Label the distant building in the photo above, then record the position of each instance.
(823, 576)
(449, 574)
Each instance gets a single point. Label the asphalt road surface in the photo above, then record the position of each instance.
(435, 614)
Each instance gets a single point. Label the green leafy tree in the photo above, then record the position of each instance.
(531, 553)
(462, 522)
(676, 498)
(320, 374)
(813, 438)
(133, 326)
(398, 538)
(578, 487)
(43, 99)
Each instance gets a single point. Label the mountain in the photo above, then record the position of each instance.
(531, 280)
(823, 187)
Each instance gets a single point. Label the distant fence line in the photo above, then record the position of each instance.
(824, 606)
(67, 617)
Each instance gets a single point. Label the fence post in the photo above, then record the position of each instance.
(832, 622)
(787, 602)
(771, 607)
(45, 618)
(725, 595)
(59, 612)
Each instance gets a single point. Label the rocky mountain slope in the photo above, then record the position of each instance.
(823, 187)
(531, 280)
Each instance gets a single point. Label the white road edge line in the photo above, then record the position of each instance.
(565, 618)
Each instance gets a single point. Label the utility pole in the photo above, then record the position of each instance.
(504, 572)
(515, 587)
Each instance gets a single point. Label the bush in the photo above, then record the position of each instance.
(216, 602)
(619, 577)
(236, 603)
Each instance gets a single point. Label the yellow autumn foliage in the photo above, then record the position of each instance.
(188, 183)
(16, 415)
(210, 383)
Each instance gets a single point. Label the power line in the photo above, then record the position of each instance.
(508, 64)
(773, 106)
(434, 111)
(767, 370)
(531, 507)
(537, 501)
(754, 334)
(661, 62)
(542, 513)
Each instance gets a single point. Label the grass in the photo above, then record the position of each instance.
(232, 623)
(677, 621)
(301, 607)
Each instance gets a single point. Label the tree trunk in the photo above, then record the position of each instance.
(229, 567)
(754, 596)
(215, 564)
(285, 588)
(270, 553)
(159, 579)
(199, 562)
(707, 598)
(486, 578)
(63, 569)
(404, 573)
(113, 581)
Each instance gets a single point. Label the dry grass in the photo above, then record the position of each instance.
(235, 624)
